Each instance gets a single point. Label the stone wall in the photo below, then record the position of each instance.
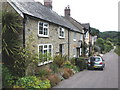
(32, 29)
(73, 43)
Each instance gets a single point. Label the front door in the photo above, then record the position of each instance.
(61, 49)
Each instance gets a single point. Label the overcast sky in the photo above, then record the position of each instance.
(101, 14)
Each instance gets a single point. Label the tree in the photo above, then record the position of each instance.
(94, 32)
(100, 43)
(11, 30)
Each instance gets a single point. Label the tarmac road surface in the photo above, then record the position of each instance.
(108, 78)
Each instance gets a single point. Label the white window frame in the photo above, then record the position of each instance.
(42, 35)
(74, 52)
(81, 37)
(87, 35)
(74, 36)
(49, 61)
(59, 33)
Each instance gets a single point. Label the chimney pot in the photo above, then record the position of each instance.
(67, 11)
(48, 3)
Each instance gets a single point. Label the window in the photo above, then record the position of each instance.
(81, 37)
(87, 35)
(61, 32)
(74, 37)
(45, 50)
(43, 29)
(74, 52)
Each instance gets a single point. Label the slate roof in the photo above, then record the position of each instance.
(38, 10)
(75, 23)
(86, 25)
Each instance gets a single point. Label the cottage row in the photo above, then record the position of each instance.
(52, 33)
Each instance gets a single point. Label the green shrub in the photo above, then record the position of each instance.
(54, 68)
(31, 82)
(44, 72)
(72, 60)
(67, 64)
(59, 60)
(81, 63)
(117, 50)
(7, 78)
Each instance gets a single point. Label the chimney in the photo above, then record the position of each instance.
(67, 11)
(48, 3)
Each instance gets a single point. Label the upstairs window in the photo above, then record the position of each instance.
(81, 37)
(74, 37)
(43, 29)
(87, 35)
(61, 32)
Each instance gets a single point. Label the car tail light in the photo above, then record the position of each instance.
(88, 62)
(101, 63)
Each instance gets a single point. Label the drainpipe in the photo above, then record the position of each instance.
(68, 44)
(24, 22)
(89, 43)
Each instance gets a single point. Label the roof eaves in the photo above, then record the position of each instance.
(16, 8)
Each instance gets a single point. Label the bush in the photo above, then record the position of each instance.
(54, 68)
(59, 60)
(81, 63)
(31, 82)
(117, 50)
(7, 78)
(54, 80)
(69, 71)
(67, 64)
(72, 60)
(66, 75)
(44, 72)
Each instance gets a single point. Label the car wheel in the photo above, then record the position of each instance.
(101, 69)
(88, 68)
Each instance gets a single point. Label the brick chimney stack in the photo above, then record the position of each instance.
(67, 11)
(48, 3)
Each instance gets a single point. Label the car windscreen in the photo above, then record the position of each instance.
(97, 59)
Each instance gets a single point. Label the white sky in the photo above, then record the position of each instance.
(101, 14)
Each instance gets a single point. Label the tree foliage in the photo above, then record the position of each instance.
(11, 30)
(94, 31)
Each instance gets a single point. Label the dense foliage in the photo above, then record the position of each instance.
(117, 49)
(31, 82)
(103, 46)
(7, 78)
(113, 35)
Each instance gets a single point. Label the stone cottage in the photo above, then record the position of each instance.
(51, 33)
(87, 38)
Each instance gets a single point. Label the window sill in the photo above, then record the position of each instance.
(74, 39)
(44, 63)
(46, 36)
(61, 37)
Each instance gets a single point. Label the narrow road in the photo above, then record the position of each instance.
(108, 78)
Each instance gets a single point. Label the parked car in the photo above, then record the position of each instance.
(98, 63)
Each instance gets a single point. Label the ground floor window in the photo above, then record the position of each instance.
(74, 52)
(45, 52)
